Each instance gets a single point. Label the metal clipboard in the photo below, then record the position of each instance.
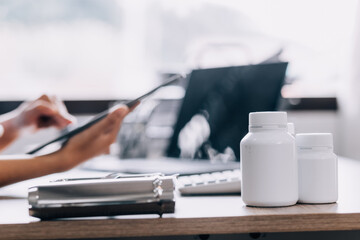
(113, 195)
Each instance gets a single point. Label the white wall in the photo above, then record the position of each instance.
(349, 97)
(317, 122)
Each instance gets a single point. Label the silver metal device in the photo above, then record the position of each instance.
(115, 194)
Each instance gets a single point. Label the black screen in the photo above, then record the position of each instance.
(229, 94)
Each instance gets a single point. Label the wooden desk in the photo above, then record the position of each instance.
(194, 216)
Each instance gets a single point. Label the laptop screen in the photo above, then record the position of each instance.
(226, 96)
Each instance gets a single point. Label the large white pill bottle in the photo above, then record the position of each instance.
(268, 162)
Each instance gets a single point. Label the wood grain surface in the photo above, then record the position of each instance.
(193, 216)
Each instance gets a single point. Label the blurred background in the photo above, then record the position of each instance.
(93, 52)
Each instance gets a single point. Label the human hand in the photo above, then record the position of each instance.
(94, 141)
(43, 112)
(87, 144)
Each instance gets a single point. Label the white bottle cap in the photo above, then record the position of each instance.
(314, 140)
(268, 119)
(291, 128)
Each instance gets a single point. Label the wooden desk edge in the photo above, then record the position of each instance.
(113, 228)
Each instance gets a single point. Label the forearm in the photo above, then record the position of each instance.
(85, 145)
(16, 170)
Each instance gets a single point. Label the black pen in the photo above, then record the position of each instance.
(102, 115)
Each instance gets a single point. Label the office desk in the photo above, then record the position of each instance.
(196, 215)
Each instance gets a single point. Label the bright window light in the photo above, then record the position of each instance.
(95, 49)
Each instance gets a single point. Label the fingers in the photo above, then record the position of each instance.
(46, 115)
(97, 139)
(52, 112)
(119, 114)
(45, 98)
(62, 110)
(123, 105)
(110, 125)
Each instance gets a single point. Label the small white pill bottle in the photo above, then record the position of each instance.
(268, 162)
(318, 168)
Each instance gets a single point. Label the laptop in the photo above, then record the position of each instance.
(230, 94)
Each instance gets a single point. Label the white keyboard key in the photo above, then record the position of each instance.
(208, 178)
(219, 176)
(232, 175)
(196, 179)
(185, 181)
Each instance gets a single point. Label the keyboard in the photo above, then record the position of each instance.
(222, 182)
